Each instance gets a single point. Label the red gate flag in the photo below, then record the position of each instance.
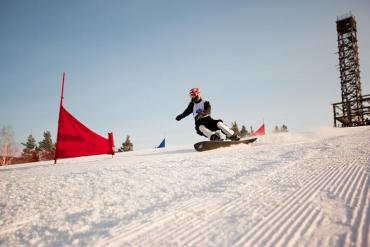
(74, 139)
(260, 131)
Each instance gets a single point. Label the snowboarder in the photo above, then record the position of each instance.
(205, 125)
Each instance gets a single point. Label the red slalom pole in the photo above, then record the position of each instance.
(62, 96)
(61, 104)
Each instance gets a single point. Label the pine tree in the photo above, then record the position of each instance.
(46, 147)
(30, 152)
(252, 130)
(127, 145)
(235, 128)
(284, 128)
(244, 132)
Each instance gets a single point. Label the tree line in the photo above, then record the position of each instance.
(32, 151)
(243, 131)
(45, 150)
(281, 129)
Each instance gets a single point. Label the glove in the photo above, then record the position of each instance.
(179, 117)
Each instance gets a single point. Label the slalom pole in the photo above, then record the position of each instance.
(62, 95)
(60, 106)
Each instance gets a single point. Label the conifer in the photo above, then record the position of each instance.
(127, 145)
(46, 147)
(30, 152)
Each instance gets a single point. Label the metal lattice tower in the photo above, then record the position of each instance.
(349, 67)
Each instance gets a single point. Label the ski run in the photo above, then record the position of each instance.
(292, 189)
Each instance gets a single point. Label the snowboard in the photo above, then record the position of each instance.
(210, 145)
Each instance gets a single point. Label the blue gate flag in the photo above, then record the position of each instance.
(163, 144)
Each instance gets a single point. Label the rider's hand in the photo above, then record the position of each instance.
(199, 116)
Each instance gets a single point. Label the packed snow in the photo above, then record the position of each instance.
(288, 189)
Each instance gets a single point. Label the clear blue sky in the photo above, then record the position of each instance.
(130, 64)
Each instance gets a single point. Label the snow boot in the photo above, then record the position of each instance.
(230, 134)
(215, 137)
(226, 130)
(209, 134)
(234, 138)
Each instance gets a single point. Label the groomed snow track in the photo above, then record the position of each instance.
(295, 189)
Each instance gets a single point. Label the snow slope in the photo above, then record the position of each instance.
(293, 189)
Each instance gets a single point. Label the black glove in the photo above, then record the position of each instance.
(179, 117)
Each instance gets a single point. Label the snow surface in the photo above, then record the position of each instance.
(293, 189)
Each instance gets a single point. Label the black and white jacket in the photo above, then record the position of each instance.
(200, 109)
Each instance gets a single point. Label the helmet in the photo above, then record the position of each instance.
(194, 92)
